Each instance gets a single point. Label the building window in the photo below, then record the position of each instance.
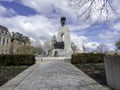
(12, 40)
(2, 31)
(3, 41)
(2, 51)
(7, 41)
(0, 40)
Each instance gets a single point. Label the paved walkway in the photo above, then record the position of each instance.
(53, 75)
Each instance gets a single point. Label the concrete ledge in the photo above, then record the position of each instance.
(67, 59)
(38, 60)
(10, 85)
(50, 59)
(112, 66)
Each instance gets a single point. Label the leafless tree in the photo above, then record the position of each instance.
(102, 48)
(74, 47)
(47, 47)
(118, 45)
(102, 9)
(38, 48)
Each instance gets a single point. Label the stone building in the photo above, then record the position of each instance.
(9, 43)
(17, 41)
(5, 40)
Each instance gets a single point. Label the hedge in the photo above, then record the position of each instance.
(87, 58)
(8, 60)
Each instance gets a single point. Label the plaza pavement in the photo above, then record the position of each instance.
(52, 74)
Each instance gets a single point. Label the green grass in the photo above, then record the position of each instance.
(95, 66)
(12, 67)
(9, 72)
(95, 71)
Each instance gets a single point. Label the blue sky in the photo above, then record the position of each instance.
(39, 19)
(19, 8)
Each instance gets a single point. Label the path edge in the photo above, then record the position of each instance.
(13, 83)
(91, 79)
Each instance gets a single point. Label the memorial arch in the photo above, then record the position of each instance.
(63, 43)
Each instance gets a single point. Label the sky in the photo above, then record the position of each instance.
(39, 19)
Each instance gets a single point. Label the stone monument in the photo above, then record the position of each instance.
(62, 46)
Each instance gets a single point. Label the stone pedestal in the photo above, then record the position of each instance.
(61, 53)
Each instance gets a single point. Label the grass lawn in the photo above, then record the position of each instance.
(9, 72)
(95, 71)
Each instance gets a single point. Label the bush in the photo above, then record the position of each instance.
(87, 58)
(8, 60)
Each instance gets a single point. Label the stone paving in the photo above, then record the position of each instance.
(57, 75)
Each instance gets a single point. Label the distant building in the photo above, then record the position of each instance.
(18, 40)
(9, 43)
(5, 40)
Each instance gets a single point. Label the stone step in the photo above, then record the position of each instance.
(49, 59)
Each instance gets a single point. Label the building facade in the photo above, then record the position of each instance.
(5, 40)
(18, 41)
(10, 43)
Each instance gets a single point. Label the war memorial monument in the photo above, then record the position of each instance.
(62, 46)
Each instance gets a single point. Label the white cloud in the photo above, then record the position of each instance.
(83, 41)
(34, 26)
(117, 26)
(79, 41)
(42, 27)
(41, 6)
(116, 5)
(92, 45)
(51, 8)
(80, 27)
(94, 14)
(109, 36)
(7, 0)
(2, 10)
(58, 8)
(11, 12)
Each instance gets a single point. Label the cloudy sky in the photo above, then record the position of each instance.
(39, 19)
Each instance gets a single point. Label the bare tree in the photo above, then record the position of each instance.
(47, 47)
(102, 48)
(25, 49)
(37, 48)
(87, 8)
(74, 47)
(118, 45)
